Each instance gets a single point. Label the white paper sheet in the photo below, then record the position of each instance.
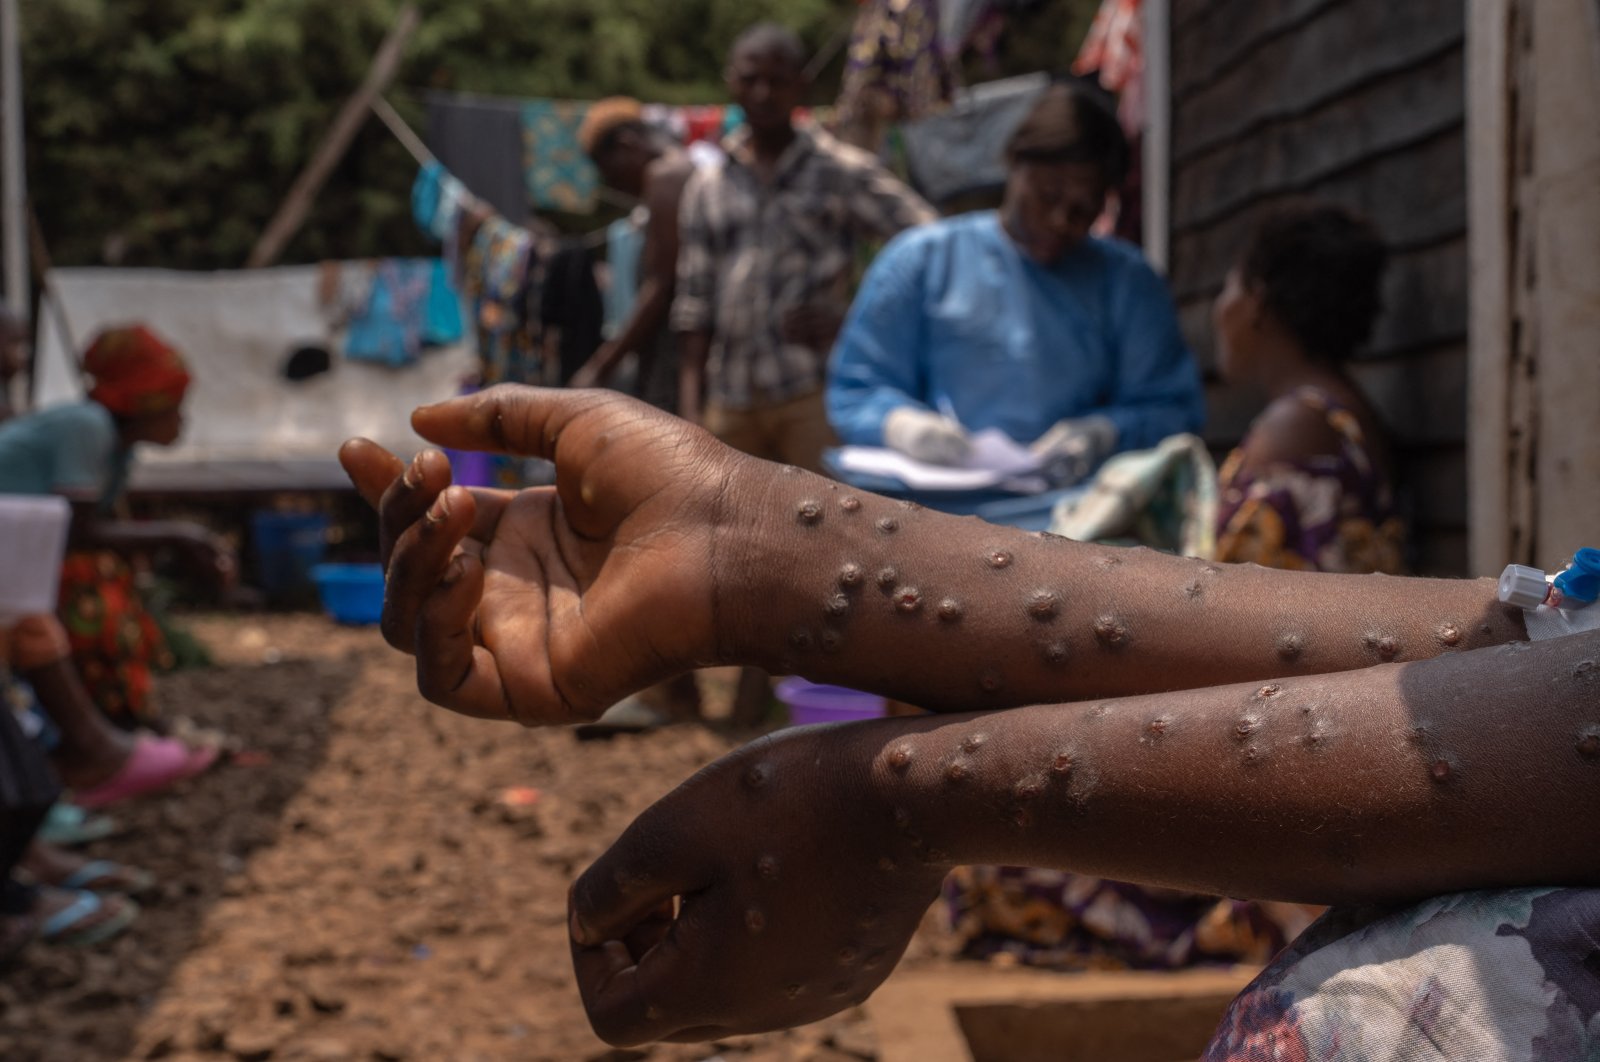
(996, 461)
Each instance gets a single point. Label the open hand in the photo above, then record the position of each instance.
(770, 890)
(550, 605)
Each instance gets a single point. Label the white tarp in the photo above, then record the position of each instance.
(246, 425)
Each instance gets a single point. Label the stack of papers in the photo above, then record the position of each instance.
(997, 462)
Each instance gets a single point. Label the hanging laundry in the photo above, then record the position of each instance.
(437, 197)
(958, 21)
(344, 291)
(670, 120)
(442, 322)
(705, 124)
(1114, 52)
(571, 304)
(500, 269)
(963, 149)
(480, 141)
(897, 69)
(411, 306)
(559, 175)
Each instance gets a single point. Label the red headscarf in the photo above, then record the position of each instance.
(135, 373)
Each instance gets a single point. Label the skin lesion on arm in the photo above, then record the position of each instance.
(1382, 785)
(1001, 618)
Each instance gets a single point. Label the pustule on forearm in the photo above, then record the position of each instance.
(1390, 783)
(955, 614)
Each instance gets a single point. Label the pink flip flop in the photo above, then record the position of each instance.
(156, 764)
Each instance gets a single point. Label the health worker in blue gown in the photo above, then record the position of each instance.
(1020, 319)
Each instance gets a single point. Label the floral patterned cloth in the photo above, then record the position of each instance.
(115, 642)
(560, 175)
(896, 61)
(502, 267)
(1509, 976)
(1051, 919)
(1334, 513)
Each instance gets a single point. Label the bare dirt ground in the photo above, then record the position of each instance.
(359, 886)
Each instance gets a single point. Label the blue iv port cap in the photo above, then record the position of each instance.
(1581, 582)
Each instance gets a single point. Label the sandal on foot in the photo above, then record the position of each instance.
(102, 875)
(80, 924)
(631, 716)
(68, 826)
(154, 765)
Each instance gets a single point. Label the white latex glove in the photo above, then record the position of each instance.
(927, 437)
(1074, 448)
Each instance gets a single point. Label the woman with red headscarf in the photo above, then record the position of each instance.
(90, 667)
(83, 451)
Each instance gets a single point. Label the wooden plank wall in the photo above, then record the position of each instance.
(1361, 102)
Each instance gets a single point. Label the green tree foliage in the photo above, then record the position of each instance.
(166, 132)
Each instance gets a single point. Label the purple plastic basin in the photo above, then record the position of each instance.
(810, 703)
(471, 469)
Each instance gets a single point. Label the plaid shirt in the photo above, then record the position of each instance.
(752, 253)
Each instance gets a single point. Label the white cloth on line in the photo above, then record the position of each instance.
(246, 426)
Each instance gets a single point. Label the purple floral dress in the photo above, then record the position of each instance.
(1333, 513)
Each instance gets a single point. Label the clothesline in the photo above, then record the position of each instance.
(419, 151)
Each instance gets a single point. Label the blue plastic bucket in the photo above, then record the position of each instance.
(288, 546)
(810, 703)
(351, 593)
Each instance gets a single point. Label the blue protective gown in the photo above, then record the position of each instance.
(953, 317)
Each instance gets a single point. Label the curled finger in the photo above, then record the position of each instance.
(453, 670)
(371, 469)
(409, 498)
(419, 561)
(631, 1003)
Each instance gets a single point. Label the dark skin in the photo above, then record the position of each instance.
(1255, 349)
(1050, 207)
(206, 552)
(13, 359)
(91, 749)
(1340, 739)
(657, 177)
(770, 86)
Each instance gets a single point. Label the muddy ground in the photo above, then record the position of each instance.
(358, 886)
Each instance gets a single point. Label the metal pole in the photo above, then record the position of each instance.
(13, 189)
(292, 214)
(1158, 131)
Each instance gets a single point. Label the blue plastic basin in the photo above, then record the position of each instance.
(352, 593)
(288, 546)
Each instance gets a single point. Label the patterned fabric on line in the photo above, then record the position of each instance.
(560, 175)
(499, 270)
(896, 55)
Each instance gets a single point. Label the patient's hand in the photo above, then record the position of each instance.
(799, 893)
(552, 604)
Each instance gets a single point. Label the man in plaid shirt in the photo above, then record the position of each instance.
(769, 242)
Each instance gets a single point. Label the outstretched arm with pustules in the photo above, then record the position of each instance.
(801, 864)
(660, 550)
